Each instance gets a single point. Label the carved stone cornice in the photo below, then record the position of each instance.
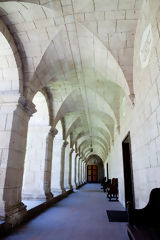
(27, 106)
(53, 132)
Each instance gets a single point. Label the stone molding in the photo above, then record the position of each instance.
(27, 106)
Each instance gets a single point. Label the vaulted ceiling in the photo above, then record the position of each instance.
(83, 52)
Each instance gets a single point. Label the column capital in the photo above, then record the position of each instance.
(72, 150)
(27, 106)
(132, 98)
(65, 143)
(53, 132)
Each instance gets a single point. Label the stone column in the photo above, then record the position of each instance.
(70, 168)
(13, 148)
(65, 143)
(83, 171)
(74, 170)
(66, 166)
(86, 172)
(57, 176)
(77, 170)
(48, 162)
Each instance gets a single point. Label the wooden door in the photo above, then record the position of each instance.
(92, 173)
(128, 172)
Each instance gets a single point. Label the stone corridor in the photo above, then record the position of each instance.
(79, 101)
(80, 216)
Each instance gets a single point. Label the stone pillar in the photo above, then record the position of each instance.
(57, 176)
(65, 143)
(70, 168)
(83, 171)
(48, 162)
(13, 148)
(86, 172)
(77, 170)
(66, 166)
(74, 170)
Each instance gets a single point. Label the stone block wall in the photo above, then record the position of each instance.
(142, 119)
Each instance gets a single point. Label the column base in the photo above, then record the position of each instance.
(15, 214)
(49, 196)
(58, 191)
(68, 188)
(74, 186)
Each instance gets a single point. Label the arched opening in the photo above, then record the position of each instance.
(34, 167)
(95, 169)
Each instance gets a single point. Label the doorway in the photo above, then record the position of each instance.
(92, 174)
(128, 172)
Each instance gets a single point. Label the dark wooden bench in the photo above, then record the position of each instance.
(102, 182)
(144, 224)
(106, 185)
(112, 191)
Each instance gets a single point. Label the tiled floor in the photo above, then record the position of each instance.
(80, 216)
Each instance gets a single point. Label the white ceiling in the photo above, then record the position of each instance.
(83, 52)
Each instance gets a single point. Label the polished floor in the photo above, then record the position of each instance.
(80, 216)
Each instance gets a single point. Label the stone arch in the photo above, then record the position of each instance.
(10, 61)
(11, 86)
(49, 3)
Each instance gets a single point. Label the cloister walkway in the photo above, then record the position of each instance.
(80, 216)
